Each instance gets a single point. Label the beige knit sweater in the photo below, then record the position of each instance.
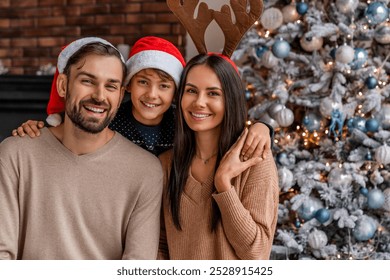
(57, 205)
(248, 211)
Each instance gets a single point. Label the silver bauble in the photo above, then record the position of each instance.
(375, 199)
(274, 109)
(286, 178)
(271, 19)
(386, 205)
(346, 6)
(365, 228)
(290, 13)
(269, 60)
(268, 120)
(309, 207)
(285, 117)
(338, 178)
(327, 105)
(345, 54)
(311, 44)
(384, 116)
(382, 154)
(382, 34)
(317, 239)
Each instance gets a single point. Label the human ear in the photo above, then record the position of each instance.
(61, 84)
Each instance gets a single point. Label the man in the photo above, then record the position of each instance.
(81, 191)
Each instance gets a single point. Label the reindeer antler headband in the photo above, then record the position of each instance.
(245, 16)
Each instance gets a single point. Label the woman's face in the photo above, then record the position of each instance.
(203, 102)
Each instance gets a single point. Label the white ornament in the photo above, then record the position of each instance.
(311, 44)
(274, 109)
(290, 13)
(286, 178)
(386, 205)
(384, 116)
(345, 54)
(271, 19)
(346, 6)
(269, 60)
(285, 117)
(382, 155)
(317, 239)
(268, 120)
(337, 178)
(327, 105)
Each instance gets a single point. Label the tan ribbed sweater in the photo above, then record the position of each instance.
(57, 205)
(248, 211)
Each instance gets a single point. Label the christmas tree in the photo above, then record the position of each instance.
(318, 72)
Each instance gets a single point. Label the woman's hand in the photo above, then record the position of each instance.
(231, 165)
(257, 142)
(30, 127)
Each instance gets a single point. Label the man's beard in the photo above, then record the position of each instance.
(88, 124)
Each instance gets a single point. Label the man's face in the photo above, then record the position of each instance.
(94, 92)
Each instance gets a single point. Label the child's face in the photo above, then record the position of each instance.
(151, 96)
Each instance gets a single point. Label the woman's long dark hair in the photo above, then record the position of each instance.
(184, 142)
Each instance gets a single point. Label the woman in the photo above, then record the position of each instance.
(215, 205)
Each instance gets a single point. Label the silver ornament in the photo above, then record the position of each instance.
(365, 228)
(384, 116)
(375, 199)
(274, 109)
(269, 60)
(317, 239)
(345, 54)
(346, 6)
(286, 178)
(271, 19)
(327, 105)
(285, 117)
(386, 205)
(382, 34)
(267, 119)
(382, 154)
(338, 178)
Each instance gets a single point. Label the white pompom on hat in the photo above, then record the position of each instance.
(157, 53)
(56, 103)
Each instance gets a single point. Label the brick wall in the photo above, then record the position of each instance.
(33, 31)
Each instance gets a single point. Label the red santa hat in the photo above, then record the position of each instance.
(56, 103)
(157, 53)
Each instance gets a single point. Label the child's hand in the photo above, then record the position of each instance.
(231, 165)
(30, 127)
(257, 142)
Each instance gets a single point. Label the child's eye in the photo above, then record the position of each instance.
(142, 82)
(165, 86)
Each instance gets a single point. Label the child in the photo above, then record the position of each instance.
(147, 119)
(215, 206)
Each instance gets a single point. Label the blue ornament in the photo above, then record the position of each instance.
(308, 209)
(368, 156)
(376, 13)
(261, 50)
(350, 124)
(365, 228)
(332, 53)
(375, 199)
(302, 8)
(363, 191)
(248, 94)
(359, 59)
(311, 122)
(281, 157)
(336, 123)
(297, 223)
(360, 123)
(371, 82)
(372, 125)
(322, 215)
(281, 48)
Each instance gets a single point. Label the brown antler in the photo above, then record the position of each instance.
(244, 20)
(195, 27)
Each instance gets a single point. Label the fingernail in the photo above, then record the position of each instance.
(245, 158)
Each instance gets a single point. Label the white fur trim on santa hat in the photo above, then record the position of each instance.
(73, 47)
(54, 119)
(154, 59)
